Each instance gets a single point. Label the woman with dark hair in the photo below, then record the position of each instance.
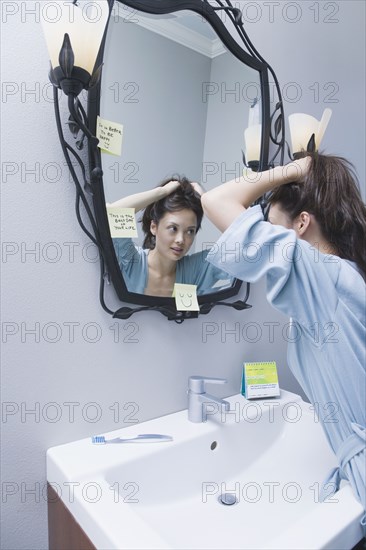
(313, 256)
(173, 215)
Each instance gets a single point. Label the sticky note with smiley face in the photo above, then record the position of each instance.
(185, 297)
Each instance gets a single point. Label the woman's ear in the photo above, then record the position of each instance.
(302, 223)
(153, 227)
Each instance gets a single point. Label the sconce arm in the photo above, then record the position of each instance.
(66, 147)
(67, 150)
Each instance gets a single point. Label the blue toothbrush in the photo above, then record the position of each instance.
(142, 438)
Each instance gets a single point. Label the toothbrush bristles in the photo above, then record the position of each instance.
(98, 439)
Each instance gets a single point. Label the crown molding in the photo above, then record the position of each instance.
(173, 30)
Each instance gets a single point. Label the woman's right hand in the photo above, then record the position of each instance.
(170, 187)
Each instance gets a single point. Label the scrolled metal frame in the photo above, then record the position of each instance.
(92, 195)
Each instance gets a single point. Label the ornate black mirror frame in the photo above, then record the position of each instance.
(79, 121)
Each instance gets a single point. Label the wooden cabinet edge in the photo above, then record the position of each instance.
(64, 533)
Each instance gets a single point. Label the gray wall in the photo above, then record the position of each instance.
(76, 353)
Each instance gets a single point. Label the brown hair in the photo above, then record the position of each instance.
(330, 191)
(184, 197)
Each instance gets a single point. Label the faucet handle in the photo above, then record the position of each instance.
(196, 384)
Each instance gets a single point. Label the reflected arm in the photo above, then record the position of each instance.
(224, 203)
(139, 201)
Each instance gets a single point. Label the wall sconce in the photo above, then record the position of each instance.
(73, 41)
(74, 34)
(253, 137)
(307, 132)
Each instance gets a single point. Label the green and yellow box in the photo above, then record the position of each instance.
(260, 379)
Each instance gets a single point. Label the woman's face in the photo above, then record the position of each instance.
(175, 233)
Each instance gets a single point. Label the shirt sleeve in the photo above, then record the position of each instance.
(300, 280)
(126, 251)
(132, 261)
(194, 269)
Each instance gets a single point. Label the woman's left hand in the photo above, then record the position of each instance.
(196, 186)
(296, 170)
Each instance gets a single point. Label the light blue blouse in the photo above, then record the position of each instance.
(192, 269)
(325, 298)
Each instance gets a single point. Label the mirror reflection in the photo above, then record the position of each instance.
(170, 222)
(184, 102)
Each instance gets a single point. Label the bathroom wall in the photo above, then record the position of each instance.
(68, 369)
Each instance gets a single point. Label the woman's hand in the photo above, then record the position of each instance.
(196, 186)
(170, 187)
(173, 185)
(304, 164)
(296, 170)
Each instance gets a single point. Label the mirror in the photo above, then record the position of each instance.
(184, 101)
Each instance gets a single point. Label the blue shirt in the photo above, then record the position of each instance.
(192, 269)
(325, 297)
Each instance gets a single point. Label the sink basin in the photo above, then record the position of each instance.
(269, 456)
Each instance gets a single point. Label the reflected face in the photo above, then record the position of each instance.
(175, 233)
(277, 216)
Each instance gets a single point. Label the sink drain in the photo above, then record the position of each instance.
(228, 499)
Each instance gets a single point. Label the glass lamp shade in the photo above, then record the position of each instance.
(302, 127)
(84, 23)
(252, 139)
(254, 113)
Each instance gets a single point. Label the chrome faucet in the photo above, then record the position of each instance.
(198, 398)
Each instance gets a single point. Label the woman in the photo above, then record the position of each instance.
(173, 215)
(313, 255)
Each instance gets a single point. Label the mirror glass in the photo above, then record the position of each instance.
(184, 102)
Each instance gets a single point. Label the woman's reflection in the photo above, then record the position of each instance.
(172, 217)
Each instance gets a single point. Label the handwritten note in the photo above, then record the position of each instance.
(122, 222)
(110, 136)
(185, 297)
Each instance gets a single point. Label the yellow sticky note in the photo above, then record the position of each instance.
(110, 136)
(122, 221)
(185, 297)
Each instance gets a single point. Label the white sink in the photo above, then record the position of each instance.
(271, 455)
